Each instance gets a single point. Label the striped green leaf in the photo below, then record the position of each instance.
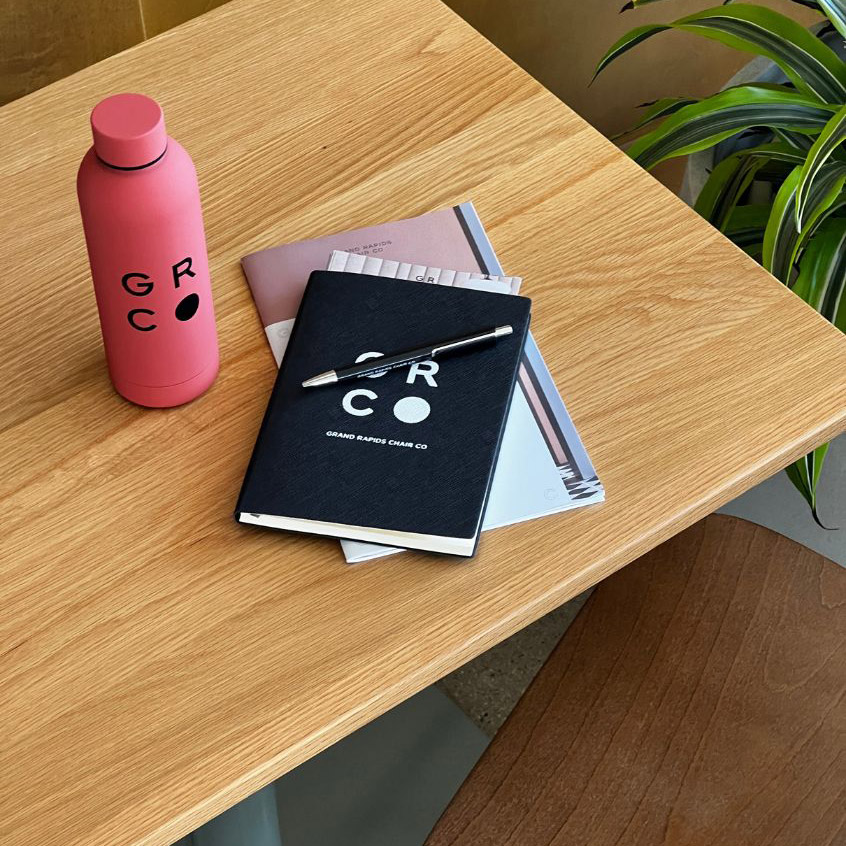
(821, 280)
(835, 11)
(805, 475)
(746, 225)
(832, 136)
(701, 125)
(808, 63)
(782, 239)
(778, 151)
(729, 179)
(811, 4)
(804, 143)
(778, 246)
(795, 139)
(834, 306)
(631, 39)
(725, 187)
(825, 197)
(815, 461)
(636, 4)
(746, 228)
(655, 110)
(822, 272)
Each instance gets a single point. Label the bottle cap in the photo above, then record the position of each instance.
(129, 130)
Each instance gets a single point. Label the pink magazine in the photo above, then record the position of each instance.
(543, 467)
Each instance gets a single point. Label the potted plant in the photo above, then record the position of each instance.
(779, 191)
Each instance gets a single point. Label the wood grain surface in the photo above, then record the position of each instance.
(159, 662)
(698, 698)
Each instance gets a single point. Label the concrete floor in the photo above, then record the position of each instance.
(487, 688)
(387, 783)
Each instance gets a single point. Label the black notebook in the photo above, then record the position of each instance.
(405, 457)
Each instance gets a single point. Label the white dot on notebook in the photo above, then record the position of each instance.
(411, 409)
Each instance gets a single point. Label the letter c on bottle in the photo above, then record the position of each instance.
(140, 326)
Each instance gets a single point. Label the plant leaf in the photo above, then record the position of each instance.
(816, 459)
(794, 139)
(722, 115)
(838, 275)
(779, 230)
(730, 178)
(631, 39)
(805, 475)
(746, 224)
(782, 239)
(823, 263)
(833, 134)
(775, 151)
(821, 280)
(798, 474)
(725, 186)
(654, 110)
(636, 4)
(835, 11)
(809, 64)
(811, 4)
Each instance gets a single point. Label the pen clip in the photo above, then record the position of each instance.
(493, 334)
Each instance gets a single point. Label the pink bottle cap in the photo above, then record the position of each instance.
(128, 130)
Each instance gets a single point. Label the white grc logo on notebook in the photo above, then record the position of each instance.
(410, 409)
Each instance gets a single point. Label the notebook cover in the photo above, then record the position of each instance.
(315, 460)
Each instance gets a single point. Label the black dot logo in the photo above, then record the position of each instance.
(187, 307)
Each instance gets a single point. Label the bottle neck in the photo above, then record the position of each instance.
(134, 167)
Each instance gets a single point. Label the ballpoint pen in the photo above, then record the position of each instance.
(402, 359)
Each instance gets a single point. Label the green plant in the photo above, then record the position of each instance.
(797, 133)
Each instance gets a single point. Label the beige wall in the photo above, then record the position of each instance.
(560, 41)
(45, 40)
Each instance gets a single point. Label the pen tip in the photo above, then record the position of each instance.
(326, 378)
(502, 331)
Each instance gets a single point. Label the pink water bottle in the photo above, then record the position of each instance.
(140, 206)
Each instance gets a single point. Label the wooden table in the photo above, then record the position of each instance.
(159, 662)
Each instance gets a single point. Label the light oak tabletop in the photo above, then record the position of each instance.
(159, 662)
